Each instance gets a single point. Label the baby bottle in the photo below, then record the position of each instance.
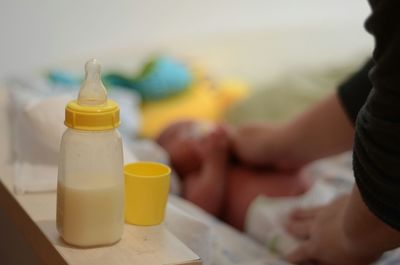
(90, 192)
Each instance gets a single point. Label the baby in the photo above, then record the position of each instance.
(214, 180)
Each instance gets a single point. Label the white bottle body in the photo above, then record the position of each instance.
(90, 192)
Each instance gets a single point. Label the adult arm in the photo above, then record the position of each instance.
(368, 223)
(321, 131)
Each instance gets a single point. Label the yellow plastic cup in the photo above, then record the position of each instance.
(146, 192)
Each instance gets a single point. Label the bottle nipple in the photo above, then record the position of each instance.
(92, 91)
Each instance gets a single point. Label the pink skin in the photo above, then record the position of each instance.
(216, 184)
(184, 151)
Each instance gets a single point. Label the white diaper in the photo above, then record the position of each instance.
(266, 217)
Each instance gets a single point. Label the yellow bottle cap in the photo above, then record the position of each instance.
(92, 111)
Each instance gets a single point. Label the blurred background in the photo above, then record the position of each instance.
(238, 61)
(166, 60)
(38, 34)
(233, 61)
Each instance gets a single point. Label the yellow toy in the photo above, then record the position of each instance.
(204, 100)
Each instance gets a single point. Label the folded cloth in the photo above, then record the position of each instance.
(46, 118)
(36, 114)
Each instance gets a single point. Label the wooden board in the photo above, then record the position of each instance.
(31, 219)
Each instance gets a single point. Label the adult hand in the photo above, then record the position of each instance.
(325, 241)
(265, 145)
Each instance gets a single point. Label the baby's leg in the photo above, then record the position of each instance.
(206, 190)
(207, 187)
(245, 185)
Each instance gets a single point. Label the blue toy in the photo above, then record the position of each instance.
(159, 78)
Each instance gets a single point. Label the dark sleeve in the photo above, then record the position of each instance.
(354, 91)
(377, 139)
